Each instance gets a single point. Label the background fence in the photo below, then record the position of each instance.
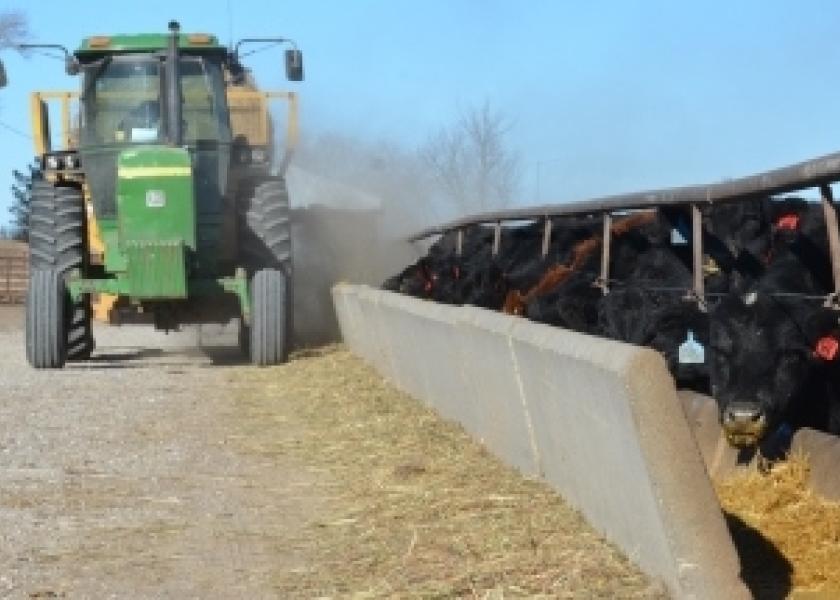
(14, 269)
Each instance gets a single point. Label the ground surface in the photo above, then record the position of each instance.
(161, 471)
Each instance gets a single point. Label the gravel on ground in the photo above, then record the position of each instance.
(165, 468)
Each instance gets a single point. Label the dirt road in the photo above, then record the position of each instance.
(118, 479)
(158, 470)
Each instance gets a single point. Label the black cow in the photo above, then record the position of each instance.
(737, 238)
(773, 346)
(774, 360)
(650, 308)
(573, 304)
(443, 276)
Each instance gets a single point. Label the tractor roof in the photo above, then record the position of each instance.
(144, 42)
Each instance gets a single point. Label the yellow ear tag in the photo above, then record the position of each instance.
(710, 267)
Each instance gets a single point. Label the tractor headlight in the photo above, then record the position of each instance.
(71, 162)
(258, 155)
(53, 162)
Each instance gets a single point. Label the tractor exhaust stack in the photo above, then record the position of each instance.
(173, 86)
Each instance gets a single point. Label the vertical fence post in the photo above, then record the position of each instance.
(23, 264)
(830, 216)
(606, 242)
(497, 237)
(697, 291)
(546, 242)
(459, 242)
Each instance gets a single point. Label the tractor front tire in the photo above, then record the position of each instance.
(45, 331)
(56, 241)
(269, 331)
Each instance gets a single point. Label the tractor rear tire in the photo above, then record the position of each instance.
(79, 329)
(269, 331)
(56, 230)
(45, 331)
(265, 238)
(265, 230)
(56, 241)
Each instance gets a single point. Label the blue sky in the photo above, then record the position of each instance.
(603, 97)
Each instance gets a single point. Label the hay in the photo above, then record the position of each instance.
(417, 509)
(786, 535)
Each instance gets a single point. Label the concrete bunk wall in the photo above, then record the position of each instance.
(598, 420)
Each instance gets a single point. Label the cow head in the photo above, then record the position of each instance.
(765, 352)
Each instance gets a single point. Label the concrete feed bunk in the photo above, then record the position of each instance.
(599, 420)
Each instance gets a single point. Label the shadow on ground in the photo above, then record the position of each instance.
(169, 358)
(764, 569)
(225, 356)
(128, 355)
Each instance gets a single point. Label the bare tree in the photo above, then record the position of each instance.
(471, 163)
(14, 29)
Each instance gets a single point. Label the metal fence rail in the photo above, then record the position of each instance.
(808, 174)
(818, 172)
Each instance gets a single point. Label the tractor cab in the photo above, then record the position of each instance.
(155, 122)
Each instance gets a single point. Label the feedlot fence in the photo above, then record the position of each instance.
(815, 173)
(14, 271)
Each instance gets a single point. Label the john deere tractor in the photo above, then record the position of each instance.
(155, 203)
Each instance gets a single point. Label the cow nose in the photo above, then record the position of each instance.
(742, 413)
(744, 423)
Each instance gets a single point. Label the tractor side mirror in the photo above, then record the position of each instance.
(71, 66)
(294, 65)
(3, 80)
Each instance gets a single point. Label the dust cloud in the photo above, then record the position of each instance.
(353, 203)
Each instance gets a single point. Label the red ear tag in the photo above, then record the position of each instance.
(827, 347)
(789, 221)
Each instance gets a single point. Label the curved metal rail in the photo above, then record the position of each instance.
(818, 172)
(807, 174)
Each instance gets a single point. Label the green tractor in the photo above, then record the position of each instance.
(156, 203)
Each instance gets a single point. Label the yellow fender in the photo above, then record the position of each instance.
(102, 304)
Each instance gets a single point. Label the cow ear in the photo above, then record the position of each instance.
(788, 221)
(827, 348)
(823, 330)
